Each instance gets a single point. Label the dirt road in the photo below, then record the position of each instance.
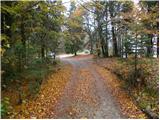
(86, 95)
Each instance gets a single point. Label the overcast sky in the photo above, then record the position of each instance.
(67, 2)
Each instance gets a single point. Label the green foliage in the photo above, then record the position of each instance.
(73, 46)
(37, 73)
(31, 30)
(74, 34)
(34, 88)
(4, 106)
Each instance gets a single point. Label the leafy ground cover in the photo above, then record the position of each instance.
(145, 91)
(87, 77)
(38, 105)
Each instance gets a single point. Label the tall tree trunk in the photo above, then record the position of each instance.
(149, 46)
(91, 42)
(135, 64)
(90, 36)
(103, 50)
(42, 51)
(42, 46)
(2, 23)
(106, 31)
(91, 51)
(102, 40)
(157, 46)
(75, 53)
(122, 47)
(157, 40)
(98, 19)
(126, 54)
(112, 15)
(23, 39)
(114, 42)
(46, 52)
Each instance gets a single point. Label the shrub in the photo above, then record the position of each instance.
(4, 106)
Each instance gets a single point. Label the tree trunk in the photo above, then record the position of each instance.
(111, 10)
(99, 30)
(91, 42)
(42, 52)
(114, 42)
(106, 44)
(126, 54)
(157, 46)
(91, 51)
(23, 39)
(135, 67)
(157, 40)
(106, 31)
(103, 51)
(2, 23)
(75, 53)
(149, 46)
(102, 40)
(121, 45)
(43, 46)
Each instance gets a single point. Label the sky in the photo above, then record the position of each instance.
(67, 2)
(135, 1)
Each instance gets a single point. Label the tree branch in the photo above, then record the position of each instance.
(86, 8)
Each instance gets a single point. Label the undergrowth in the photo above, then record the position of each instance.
(144, 90)
(26, 83)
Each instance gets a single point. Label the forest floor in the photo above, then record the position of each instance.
(93, 92)
(80, 89)
(145, 91)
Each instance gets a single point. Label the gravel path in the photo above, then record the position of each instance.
(86, 95)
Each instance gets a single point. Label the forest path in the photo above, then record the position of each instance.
(85, 95)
